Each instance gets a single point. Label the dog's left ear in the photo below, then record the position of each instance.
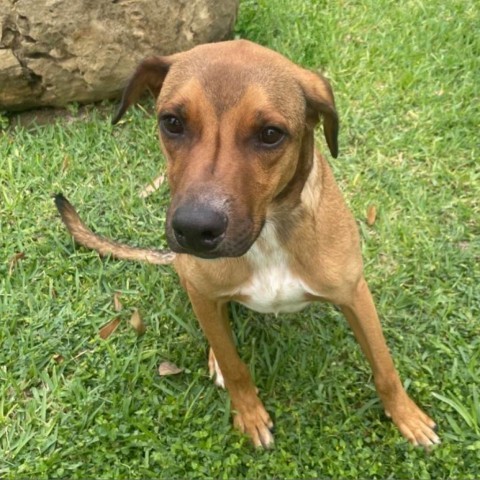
(321, 103)
(150, 75)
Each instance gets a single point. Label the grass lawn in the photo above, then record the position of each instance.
(72, 405)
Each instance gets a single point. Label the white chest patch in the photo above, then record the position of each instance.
(273, 288)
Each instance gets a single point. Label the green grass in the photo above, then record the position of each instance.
(75, 406)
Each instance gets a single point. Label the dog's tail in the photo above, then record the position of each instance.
(84, 236)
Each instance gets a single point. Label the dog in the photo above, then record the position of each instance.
(256, 216)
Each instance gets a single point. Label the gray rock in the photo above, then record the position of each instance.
(57, 51)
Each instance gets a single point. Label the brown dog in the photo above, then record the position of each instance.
(256, 216)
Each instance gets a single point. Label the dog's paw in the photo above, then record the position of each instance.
(415, 425)
(214, 370)
(251, 418)
(257, 424)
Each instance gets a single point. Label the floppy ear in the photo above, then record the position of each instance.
(150, 75)
(320, 102)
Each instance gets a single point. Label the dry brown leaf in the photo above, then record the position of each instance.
(151, 187)
(109, 328)
(137, 323)
(65, 163)
(117, 304)
(14, 260)
(57, 358)
(371, 214)
(168, 368)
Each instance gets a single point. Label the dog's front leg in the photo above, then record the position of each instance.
(413, 423)
(250, 416)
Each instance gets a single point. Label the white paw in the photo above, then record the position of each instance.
(214, 370)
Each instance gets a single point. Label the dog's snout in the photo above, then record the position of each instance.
(199, 228)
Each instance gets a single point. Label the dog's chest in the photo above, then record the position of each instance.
(272, 287)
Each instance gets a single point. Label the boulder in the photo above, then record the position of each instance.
(57, 51)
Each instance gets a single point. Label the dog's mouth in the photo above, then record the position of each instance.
(226, 247)
(210, 235)
(212, 255)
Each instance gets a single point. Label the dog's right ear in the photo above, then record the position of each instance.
(150, 75)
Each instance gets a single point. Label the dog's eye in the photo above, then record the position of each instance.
(271, 136)
(172, 125)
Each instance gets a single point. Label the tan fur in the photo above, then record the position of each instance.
(283, 206)
(85, 237)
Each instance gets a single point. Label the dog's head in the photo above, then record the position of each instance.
(236, 124)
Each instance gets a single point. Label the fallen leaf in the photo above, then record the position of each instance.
(137, 323)
(109, 328)
(57, 358)
(371, 214)
(14, 260)
(117, 305)
(168, 368)
(151, 187)
(65, 163)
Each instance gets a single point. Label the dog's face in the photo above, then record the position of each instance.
(236, 124)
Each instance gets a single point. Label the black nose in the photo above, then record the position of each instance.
(199, 228)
